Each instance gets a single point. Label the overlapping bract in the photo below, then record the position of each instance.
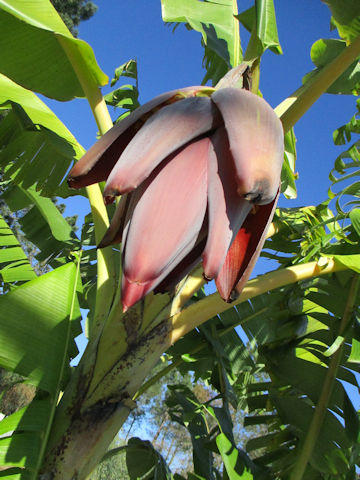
(199, 177)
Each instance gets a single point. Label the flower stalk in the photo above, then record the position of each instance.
(197, 313)
(236, 36)
(106, 277)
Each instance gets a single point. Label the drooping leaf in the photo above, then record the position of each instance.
(143, 461)
(41, 39)
(33, 342)
(36, 110)
(14, 264)
(43, 223)
(325, 50)
(218, 27)
(346, 17)
(260, 21)
(37, 149)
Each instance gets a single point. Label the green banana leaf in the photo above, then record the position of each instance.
(217, 25)
(294, 332)
(37, 345)
(14, 264)
(230, 457)
(260, 21)
(37, 148)
(43, 51)
(346, 17)
(43, 224)
(325, 50)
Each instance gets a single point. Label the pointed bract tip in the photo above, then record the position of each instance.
(108, 199)
(71, 182)
(132, 292)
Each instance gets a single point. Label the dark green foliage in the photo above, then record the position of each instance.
(74, 11)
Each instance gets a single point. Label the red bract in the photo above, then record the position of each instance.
(201, 176)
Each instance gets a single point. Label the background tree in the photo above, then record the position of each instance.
(73, 12)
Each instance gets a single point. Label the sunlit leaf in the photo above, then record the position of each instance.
(128, 69)
(37, 148)
(355, 351)
(350, 261)
(346, 17)
(355, 219)
(40, 49)
(288, 175)
(260, 21)
(37, 345)
(33, 343)
(218, 27)
(14, 264)
(230, 457)
(325, 50)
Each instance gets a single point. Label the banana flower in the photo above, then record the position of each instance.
(199, 173)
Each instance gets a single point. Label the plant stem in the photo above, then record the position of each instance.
(192, 284)
(237, 43)
(294, 107)
(255, 76)
(197, 313)
(90, 88)
(106, 276)
(320, 411)
(196, 349)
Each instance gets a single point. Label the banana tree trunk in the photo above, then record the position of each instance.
(98, 399)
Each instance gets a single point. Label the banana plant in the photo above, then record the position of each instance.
(199, 171)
